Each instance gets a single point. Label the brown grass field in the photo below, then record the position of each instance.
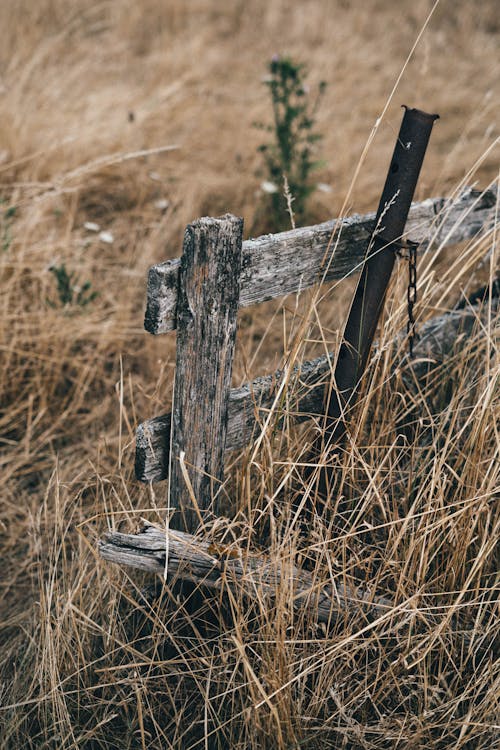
(92, 97)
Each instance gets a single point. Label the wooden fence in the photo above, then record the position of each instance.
(199, 295)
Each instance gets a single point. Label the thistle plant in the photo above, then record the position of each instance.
(291, 152)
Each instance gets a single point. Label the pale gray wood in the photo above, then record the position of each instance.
(248, 405)
(206, 331)
(209, 564)
(278, 264)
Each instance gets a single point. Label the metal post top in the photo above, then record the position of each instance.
(418, 113)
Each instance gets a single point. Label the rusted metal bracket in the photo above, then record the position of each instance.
(368, 300)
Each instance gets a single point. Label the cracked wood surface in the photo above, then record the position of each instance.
(209, 564)
(279, 264)
(206, 332)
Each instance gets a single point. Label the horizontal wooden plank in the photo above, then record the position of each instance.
(250, 404)
(279, 264)
(215, 566)
(247, 407)
(218, 567)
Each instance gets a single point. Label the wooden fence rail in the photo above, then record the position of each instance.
(211, 565)
(279, 264)
(249, 405)
(255, 271)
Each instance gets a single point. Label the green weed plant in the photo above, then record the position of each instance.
(69, 292)
(290, 157)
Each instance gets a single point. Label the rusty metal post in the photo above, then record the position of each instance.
(369, 298)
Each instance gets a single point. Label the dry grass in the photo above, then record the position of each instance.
(83, 666)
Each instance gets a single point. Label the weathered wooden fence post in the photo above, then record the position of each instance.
(208, 297)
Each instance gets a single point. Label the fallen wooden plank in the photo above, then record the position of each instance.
(279, 264)
(249, 405)
(209, 564)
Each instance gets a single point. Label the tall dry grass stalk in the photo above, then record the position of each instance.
(93, 657)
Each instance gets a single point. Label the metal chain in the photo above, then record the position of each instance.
(412, 295)
(411, 292)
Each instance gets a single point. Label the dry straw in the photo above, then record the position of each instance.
(95, 657)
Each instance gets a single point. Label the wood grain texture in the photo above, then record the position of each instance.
(206, 331)
(208, 564)
(249, 405)
(278, 264)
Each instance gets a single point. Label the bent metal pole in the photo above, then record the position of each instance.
(384, 243)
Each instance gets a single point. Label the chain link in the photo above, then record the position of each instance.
(411, 292)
